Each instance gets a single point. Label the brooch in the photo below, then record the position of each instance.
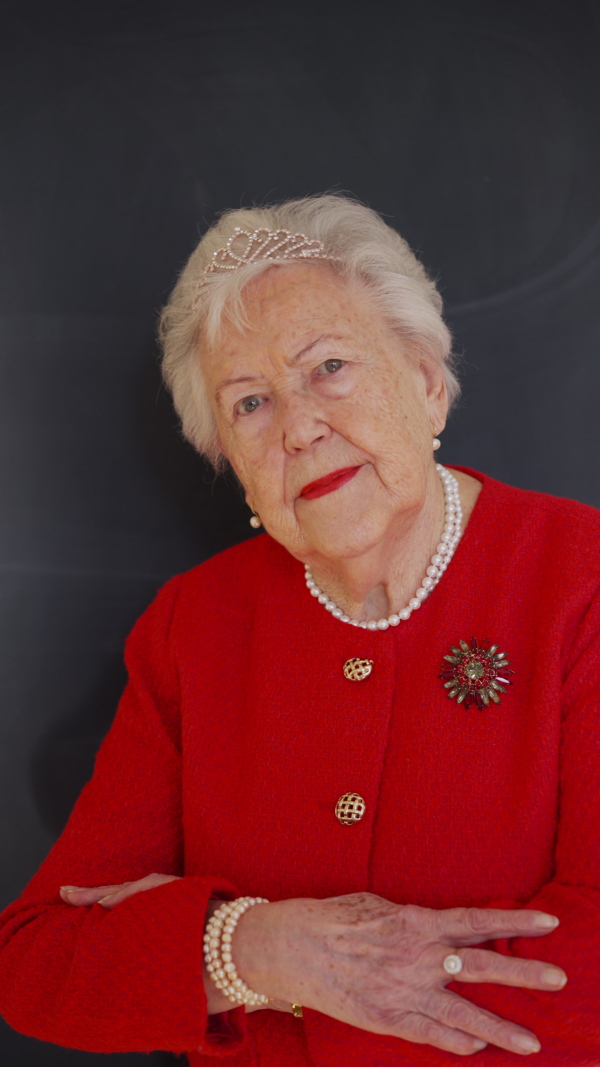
(478, 674)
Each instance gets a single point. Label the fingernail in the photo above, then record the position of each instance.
(546, 922)
(69, 888)
(478, 1045)
(552, 976)
(104, 899)
(526, 1042)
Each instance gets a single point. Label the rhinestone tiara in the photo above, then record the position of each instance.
(244, 247)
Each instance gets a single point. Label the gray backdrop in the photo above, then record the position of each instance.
(126, 126)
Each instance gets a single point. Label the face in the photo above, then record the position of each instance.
(319, 389)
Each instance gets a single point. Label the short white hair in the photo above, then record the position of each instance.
(365, 249)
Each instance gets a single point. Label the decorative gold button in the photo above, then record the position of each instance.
(350, 808)
(357, 669)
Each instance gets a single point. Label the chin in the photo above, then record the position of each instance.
(345, 524)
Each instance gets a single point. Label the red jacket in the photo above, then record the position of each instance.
(237, 734)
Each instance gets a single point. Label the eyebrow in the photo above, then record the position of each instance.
(234, 381)
(249, 378)
(313, 344)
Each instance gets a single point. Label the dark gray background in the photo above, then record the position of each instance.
(474, 126)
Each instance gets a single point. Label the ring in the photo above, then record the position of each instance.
(453, 964)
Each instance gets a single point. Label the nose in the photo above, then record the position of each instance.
(302, 423)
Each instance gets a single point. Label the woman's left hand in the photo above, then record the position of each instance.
(110, 895)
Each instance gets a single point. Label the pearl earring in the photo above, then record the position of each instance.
(255, 521)
(436, 440)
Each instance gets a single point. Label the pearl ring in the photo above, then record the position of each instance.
(453, 964)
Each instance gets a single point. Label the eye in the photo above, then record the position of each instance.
(330, 366)
(249, 404)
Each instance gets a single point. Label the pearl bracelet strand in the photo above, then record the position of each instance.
(439, 561)
(217, 951)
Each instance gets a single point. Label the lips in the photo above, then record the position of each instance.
(328, 483)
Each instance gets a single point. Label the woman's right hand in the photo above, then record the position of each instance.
(378, 966)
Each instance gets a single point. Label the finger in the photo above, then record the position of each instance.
(482, 966)
(84, 897)
(468, 926)
(424, 1030)
(111, 899)
(109, 895)
(454, 1011)
(129, 889)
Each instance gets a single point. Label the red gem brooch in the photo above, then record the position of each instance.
(478, 674)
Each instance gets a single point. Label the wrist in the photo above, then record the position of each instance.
(218, 952)
(266, 950)
(252, 947)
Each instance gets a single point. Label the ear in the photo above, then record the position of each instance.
(436, 394)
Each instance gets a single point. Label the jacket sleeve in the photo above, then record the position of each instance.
(129, 979)
(567, 1023)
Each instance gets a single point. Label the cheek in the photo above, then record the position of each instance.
(234, 455)
(260, 474)
(379, 415)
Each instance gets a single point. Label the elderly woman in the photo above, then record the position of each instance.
(375, 728)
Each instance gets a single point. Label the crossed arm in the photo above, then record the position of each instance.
(126, 974)
(328, 953)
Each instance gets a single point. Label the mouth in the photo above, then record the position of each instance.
(328, 483)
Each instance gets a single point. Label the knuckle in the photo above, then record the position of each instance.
(357, 901)
(475, 963)
(477, 920)
(445, 921)
(458, 1014)
(411, 917)
(521, 971)
(517, 972)
(404, 919)
(425, 1029)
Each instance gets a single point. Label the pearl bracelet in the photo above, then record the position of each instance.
(217, 951)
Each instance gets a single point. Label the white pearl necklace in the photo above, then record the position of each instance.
(439, 561)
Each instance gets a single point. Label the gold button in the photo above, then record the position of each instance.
(350, 808)
(357, 669)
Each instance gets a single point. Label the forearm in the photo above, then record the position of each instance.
(124, 980)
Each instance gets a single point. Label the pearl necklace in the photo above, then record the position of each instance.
(439, 561)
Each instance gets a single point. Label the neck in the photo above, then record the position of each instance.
(383, 579)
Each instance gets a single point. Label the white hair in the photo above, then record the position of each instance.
(365, 249)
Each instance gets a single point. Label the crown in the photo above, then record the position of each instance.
(244, 247)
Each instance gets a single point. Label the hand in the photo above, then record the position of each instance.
(110, 895)
(378, 966)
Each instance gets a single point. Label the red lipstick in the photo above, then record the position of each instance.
(328, 483)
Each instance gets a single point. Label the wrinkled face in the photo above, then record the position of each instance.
(320, 389)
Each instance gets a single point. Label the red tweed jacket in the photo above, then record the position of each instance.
(237, 734)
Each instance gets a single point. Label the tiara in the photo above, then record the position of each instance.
(244, 247)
